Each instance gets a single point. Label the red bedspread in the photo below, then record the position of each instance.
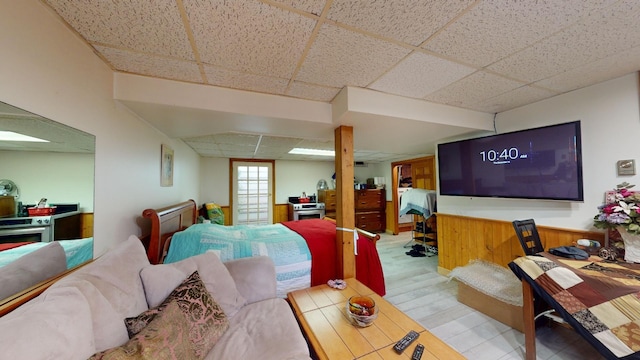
(321, 239)
(7, 246)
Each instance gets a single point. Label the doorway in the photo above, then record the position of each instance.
(417, 173)
(252, 191)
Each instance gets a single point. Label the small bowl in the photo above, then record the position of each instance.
(361, 310)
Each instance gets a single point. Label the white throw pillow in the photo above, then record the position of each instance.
(160, 280)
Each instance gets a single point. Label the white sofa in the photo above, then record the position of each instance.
(84, 313)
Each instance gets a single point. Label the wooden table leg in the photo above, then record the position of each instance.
(529, 323)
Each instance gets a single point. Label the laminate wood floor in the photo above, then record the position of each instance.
(415, 287)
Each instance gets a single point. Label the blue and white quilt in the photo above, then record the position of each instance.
(287, 249)
(77, 251)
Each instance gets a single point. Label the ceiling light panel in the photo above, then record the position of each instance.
(249, 36)
(152, 27)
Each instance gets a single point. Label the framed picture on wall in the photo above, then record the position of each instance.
(166, 166)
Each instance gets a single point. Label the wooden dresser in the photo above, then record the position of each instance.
(369, 208)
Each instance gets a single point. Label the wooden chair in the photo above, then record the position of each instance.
(528, 236)
(532, 245)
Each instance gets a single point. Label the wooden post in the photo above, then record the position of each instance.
(529, 323)
(345, 213)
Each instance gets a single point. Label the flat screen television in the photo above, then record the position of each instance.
(540, 163)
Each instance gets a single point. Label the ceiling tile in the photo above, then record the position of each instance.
(608, 68)
(153, 27)
(145, 64)
(312, 92)
(249, 36)
(473, 89)
(203, 145)
(239, 80)
(495, 28)
(316, 144)
(279, 142)
(409, 21)
(604, 33)
(340, 57)
(420, 74)
(512, 99)
(228, 138)
(314, 7)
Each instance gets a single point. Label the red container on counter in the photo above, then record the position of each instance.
(35, 211)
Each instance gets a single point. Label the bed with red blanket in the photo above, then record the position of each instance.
(175, 236)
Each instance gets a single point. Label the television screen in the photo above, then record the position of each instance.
(539, 163)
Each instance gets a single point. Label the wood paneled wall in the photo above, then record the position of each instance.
(280, 213)
(462, 239)
(86, 223)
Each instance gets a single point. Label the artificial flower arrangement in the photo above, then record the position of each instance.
(620, 210)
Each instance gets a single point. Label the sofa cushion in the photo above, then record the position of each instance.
(207, 321)
(160, 280)
(55, 325)
(114, 290)
(212, 271)
(32, 268)
(255, 277)
(166, 337)
(265, 330)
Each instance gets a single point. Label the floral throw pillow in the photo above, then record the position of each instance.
(166, 337)
(207, 321)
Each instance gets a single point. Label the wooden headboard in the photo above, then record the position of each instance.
(164, 223)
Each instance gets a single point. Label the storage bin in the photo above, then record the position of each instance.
(35, 211)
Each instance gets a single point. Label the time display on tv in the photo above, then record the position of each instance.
(504, 156)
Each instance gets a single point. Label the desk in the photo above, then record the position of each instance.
(600, 300)
(321, 313)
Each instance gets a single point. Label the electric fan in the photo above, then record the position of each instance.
(9, 188)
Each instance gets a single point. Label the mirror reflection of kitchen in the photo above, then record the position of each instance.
(46, 199)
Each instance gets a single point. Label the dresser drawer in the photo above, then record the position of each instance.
(370, 221)
(328, 197)
(369, 199)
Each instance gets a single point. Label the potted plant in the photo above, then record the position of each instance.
(621, 212)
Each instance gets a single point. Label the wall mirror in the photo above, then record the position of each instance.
(54, 164)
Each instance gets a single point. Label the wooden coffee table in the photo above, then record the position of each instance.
(321, 311)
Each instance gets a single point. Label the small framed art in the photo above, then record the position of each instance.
(626, 167)
(166, 166)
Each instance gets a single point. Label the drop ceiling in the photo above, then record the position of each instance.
(487, 56)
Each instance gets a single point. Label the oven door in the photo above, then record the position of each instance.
(308, 214)
(25, 234)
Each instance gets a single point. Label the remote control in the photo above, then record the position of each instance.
(417, 352)
(405, 341)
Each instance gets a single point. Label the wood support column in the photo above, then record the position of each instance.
(529, 323)
(345, 215)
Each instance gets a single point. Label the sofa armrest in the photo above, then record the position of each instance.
(255, 277)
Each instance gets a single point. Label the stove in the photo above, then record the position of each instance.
(305, 210)
(34, 228)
